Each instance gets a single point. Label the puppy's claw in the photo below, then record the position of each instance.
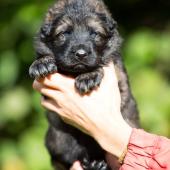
(99, 165)
(96, 165)
(41, 68)
(85, 163)
(87, 82)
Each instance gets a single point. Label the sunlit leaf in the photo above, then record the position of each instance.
(15, 104)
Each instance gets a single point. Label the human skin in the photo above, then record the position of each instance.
(97, 114)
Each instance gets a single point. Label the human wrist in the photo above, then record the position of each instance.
(116, 139)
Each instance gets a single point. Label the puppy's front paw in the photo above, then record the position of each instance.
(86, 82)
(42, 67)
(95, 165)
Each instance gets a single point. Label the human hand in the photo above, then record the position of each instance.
(97, 114)
(76, 166)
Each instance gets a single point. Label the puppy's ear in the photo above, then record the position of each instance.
(45, 31)
(104, 14)
(48, 27)
(108, 22)
(51, 18)
(111, 24)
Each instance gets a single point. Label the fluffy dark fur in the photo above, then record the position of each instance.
(79, 37)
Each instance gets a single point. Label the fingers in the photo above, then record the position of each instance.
(67, 118)
(37, 85)
(50, 105)
(58, 81)
(76, 166)
(56, 95)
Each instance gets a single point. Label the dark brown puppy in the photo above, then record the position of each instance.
(78, 38)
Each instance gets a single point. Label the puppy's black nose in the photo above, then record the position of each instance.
(81, 53)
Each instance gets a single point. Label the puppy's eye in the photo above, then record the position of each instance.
(98, 38)
(93, 34)
(61, 37)
(68, 32)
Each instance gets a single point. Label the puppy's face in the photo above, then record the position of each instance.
(81, 41)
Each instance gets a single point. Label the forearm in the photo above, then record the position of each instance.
(147, 151)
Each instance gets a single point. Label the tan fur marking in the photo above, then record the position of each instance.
(96, 24)
(63, 25)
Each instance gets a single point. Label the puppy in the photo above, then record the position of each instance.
(79, 38)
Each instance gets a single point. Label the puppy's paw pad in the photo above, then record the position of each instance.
(41, 69)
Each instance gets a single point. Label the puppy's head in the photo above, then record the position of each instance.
(81, 34)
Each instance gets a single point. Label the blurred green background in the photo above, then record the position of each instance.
(145, 27)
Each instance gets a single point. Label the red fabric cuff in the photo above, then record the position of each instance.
(144, 151)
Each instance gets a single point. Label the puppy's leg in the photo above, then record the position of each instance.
(86, 82)
(63, 148)
(62, 143)
(42, 67)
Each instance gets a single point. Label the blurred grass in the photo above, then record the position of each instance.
(146, 52)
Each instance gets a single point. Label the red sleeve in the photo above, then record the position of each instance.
(147, 151)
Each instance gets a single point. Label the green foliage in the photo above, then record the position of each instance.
(23, 125)
(8, 62)
(146, 53)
